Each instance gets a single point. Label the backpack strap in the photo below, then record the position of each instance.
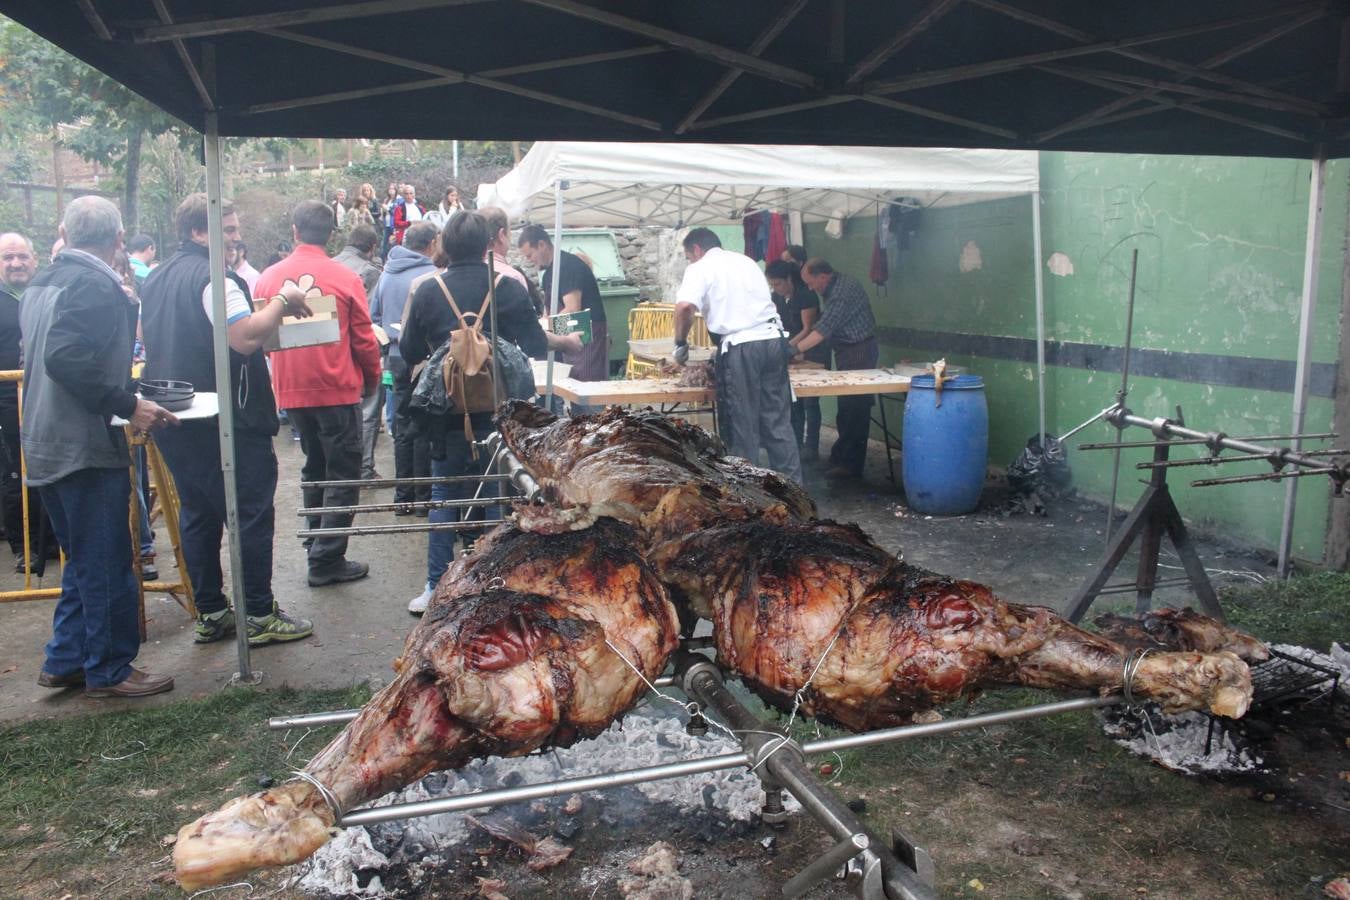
(477, 325)
(482, 310)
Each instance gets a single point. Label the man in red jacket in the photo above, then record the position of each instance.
(321, 387)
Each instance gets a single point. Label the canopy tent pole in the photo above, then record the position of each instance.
(1311, 259)
(553, 289)
(1040, 314)
(216, 240)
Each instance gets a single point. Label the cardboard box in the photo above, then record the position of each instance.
(570, 323)
(321, 328)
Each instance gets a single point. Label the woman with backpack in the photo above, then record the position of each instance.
(429, 320)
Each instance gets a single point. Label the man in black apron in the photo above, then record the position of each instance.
(754, 396)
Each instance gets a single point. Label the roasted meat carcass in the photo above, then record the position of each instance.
(1181, 629)
(886, 640)
(661, 474)
(523, 647)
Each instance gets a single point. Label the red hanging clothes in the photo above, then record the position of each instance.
(778, 241)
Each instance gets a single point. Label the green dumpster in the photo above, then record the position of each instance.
(599, 246)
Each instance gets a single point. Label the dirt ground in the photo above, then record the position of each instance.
(1043, 809)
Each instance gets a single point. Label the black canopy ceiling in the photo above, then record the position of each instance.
(1242, 77)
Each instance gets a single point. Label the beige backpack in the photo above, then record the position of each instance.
(468, 365)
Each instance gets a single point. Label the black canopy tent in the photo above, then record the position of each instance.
(1242, 77)
(1234, 77)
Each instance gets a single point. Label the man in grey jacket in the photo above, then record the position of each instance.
(359, 256)
(78, 326)
(408, 263)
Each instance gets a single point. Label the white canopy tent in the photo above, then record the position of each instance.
(679, 185)
(685, 185)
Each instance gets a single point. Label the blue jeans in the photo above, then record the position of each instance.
(192, 451)
(143, 485)
(458, 460)
(390, 405)
(95, 625)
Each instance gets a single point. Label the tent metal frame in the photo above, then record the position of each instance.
(1195, 84)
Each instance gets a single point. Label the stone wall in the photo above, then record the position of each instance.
(652, 260)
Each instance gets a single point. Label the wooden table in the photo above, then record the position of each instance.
(668, 395)
(805, 383)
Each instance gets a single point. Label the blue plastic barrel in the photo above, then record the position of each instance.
(945, 446)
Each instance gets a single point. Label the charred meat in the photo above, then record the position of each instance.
(663, 475)
(527, 644)
(1181, 629)
(886, 640)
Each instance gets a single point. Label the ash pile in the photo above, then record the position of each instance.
(1297, 687)
(399, 859)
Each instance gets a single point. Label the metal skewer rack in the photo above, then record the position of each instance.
(502, 469)
(1156, 514)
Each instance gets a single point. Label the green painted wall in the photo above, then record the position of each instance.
(1221, 245)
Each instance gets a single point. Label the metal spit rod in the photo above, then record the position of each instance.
(486, 799)
(1243, 457)
(1281, 456)
(1269, 476)
(479, 524)
(342, 716)
(1112, 445)
(1126, 587)
(825, 865)
(501, 797)
(501, 458)
(410, 505)
(403, 482)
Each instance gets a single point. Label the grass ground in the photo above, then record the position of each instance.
(1048, 808)
(1052, 808)
(86, 804)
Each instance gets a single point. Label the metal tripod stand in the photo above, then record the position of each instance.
(1154, 514)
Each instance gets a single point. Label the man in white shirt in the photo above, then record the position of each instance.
(754, 397)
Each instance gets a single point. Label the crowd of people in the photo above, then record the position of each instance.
(76, 326)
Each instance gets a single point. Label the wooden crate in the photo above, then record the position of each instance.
(648, 321)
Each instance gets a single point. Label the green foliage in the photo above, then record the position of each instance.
(43, 87)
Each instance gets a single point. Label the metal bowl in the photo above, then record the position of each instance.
(172, 395)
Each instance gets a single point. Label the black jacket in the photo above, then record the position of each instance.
(180, 344)
(428, 320)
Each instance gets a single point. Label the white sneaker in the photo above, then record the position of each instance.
(418, 604)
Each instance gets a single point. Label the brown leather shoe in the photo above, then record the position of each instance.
(137, 684)
(48, 680)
